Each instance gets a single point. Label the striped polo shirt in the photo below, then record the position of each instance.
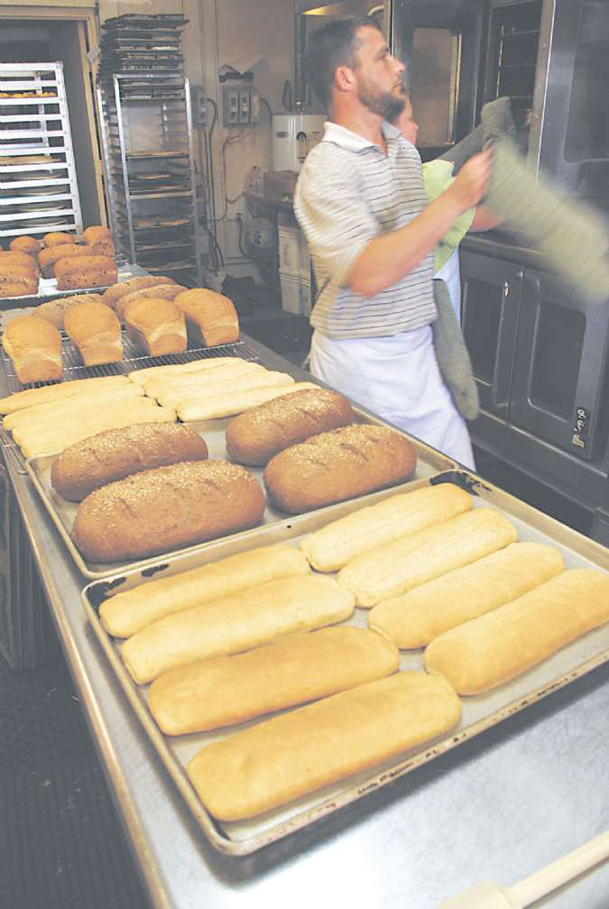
(349, 192)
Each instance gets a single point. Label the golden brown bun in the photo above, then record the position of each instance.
(26, 245)
(18, 289)
(91, 271)
(158, 292)
(256, 435)
(113, 294)
(55, 238)
(211, 318)
(338, 465)
(166, 509)
(48, 257)
(96, 233)
(96, 332)
(34, 346)
(290, 755)
(23, 259)
(118, 453)
(54, 311)
(156, 325)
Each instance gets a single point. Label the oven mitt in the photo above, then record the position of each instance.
(496, 123)
(452, 356)
(573, 238)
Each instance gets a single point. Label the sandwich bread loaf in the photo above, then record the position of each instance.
(34, 346)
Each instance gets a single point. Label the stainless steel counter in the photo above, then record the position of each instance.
(497, 808)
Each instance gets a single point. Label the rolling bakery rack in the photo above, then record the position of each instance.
(38, 186)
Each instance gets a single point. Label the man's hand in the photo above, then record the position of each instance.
(472, 180)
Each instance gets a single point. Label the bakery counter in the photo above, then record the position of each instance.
(499, 807)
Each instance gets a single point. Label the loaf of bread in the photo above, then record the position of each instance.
(26, 244)
(90, 271)
(54, 311)
(211, 318)
(255, 436)
(96, 234)
(142, 376)
(236, 623)
(21, 288)
(205, 386)
(69, 408)
(395, 568)
(290, 755)
(158, 292)
(117, 453)
(49, 257)
(96, 332)
(233, 402)
(496, 647)
(204, 381)
(226, 690)
(114, 293)
(167, 508)
(12, 273)
(125, 613)
(422, 614)
(332, 546)
(51, 438)
(23, 259)
(34, 396)
(338, 465)
(57, 238)
(156, 326)
(103, 248)
(34, 346)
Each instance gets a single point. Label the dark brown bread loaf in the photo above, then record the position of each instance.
(167, 508)
(48, 257)
(338, 465)
(255, 436)
(118, 453)
(90, 271)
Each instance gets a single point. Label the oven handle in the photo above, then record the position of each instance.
(502, 377)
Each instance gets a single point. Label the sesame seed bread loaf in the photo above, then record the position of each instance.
(34, 346)
(90, 271)
(118, 453)
(255, 436)
(233, 624)
(285, 757)
(211, 318)
(303, 667)
(114, 293)
(338, 465)
(95, 331)
(156, 326)
(122, 614)
(496, 647)
(165, 509)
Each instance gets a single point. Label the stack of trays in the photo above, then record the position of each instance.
(142, 45)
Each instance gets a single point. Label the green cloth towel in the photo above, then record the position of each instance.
(437, 176)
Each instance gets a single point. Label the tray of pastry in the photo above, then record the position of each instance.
(200, 675)
(63, 512)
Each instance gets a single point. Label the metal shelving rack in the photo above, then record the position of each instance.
(38, 186)
(152, 192)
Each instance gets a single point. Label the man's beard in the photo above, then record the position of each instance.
(385, 104)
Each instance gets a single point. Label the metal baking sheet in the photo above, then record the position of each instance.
(63, 513)
(479, 712)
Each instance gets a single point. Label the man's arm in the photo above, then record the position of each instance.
(387, 258)
(485, 219)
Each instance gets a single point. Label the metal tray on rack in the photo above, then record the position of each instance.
(63, 513)
(479, 712)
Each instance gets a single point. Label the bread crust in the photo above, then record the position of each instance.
(96, 233)
(96, 332)
(167, 508)
(157, 292)
(54, 311)
(49, 257)
(114, 293)
(255, 436)
(211, 318)
(157, 326)
(34, 346)
(26, 244)
(23, 259)
(118, 453)
(90, 271)
(338, 465)
(57, 238)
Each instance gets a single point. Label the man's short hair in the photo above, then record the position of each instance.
(331, 46)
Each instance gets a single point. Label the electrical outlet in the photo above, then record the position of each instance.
(240, 105)
(244, 107)
(230, 105)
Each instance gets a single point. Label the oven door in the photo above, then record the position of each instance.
(560, 374)
(490, 303)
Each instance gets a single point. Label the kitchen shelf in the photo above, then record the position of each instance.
(129, 168)
(36, 152)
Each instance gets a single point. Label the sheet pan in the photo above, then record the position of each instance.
(479, 713)
(63, 513)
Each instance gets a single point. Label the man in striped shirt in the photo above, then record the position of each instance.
(361, 203)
